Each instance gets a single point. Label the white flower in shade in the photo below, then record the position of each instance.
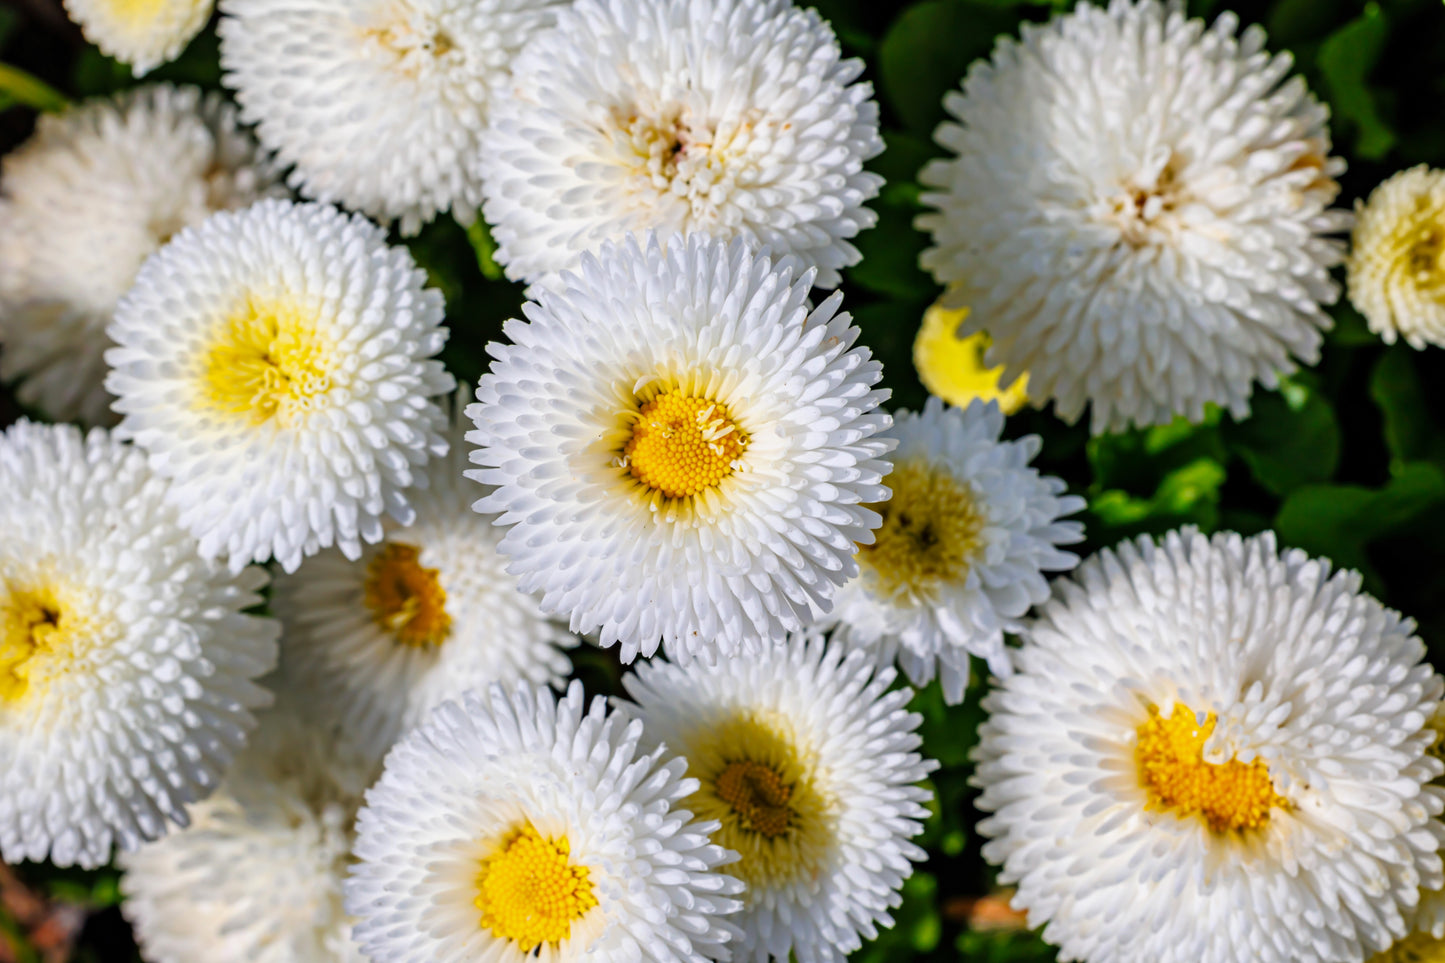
(511, 827)
(257, 877)
(1397, 258)
(141, 33)
(1214, 752)
(126, 664)
(808, 763)
(681, 447)
(379, 104)
(734, 118)
(274, 363)
(83, 203)
(966, 537)
(1146, 239)
(376, 643)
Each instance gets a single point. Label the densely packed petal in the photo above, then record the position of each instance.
(144, 35)
(1397, 258)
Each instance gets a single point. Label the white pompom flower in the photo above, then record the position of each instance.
(257, 876)
(734, 118)
(511, 826)
(1214, 752)
(1147, 238)
(1397, 258)
(380, 105)
(681, 447)
(375, 644)
(83, 203)
(809, 764)
(141, 33)
(274, 362)
(966, 537)
(126, 662)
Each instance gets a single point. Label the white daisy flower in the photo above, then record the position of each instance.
(1214, 752)
(126, 664)
(83, 203)
(257, 877)
(274, 363)
(735, 118)
(681, 447)
(1148, 238)
(808, 765)
(1397, 258)
(379, 104)
(513, 827)
(141, 33)
(424, 615)
(966, 537)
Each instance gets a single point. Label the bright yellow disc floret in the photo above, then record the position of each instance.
(267, 361)
(930, 533)
(405, 599)
(681, 444)
(529, 892)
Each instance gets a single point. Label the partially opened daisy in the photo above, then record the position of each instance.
(380, 105)
(257, 876)
(83, 203)
(735, 118)
(681, 447)
(966, 537)
(126, 662)
(275, 363)
(143, 34)
(512, 826)
(375, 643)
(1146, 239)
(809, 764)
(1214, 752)
(1397, 258)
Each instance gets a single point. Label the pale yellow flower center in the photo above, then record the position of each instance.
(1228, 796)
(40, 629)
(529, 892)
(681, 444)
(136, 13)
(405, 599)
(930, 536)
(1415, 948)
(267, 361)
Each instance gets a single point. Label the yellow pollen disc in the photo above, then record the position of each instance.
(1415, 948)
(266, 361)
(1229, 796)
(930, 533)
(529, 892)
(953, 368)
(681, 445)
(138, 12)
(405, 599)
(36, 626)
(757, 794)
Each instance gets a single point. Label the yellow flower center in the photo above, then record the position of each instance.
(1229, 796)
(930, 534)
(39, 629)
(1415, 948)
(682, 444)
(758, 796)
(405, 599)
(529, 892)
(136, 13)
(267, 361)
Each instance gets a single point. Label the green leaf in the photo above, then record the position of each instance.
(1410, 434)
(19, 87)
(1345, 60)
(486, 249)
(1291, 439)
(1350, 329)
(1186, 495)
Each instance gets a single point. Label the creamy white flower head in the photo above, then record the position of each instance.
(734, 118)
(377, 643)
(809, 765)
(1214, 752)
(126, 664)
(379, 104)
(83, 203)
(681, 447)
(966, 537)
(1145, 239)
(511, 826)
(257, 877)
(1397, 258)
(274, 363)
(142, 33)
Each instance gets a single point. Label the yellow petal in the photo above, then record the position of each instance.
(952, 367)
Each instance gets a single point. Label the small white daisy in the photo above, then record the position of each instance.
(141, 33)
(83, 203)
(376, 643)
(512, 827)
(966, 537)
(735, 118)
(1214, 752)
(809, 765)
(1397, 258)
(1147, 238)
(681, 447)
(126, 664)
(274, 363)
(257, 877)
(379, 104)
